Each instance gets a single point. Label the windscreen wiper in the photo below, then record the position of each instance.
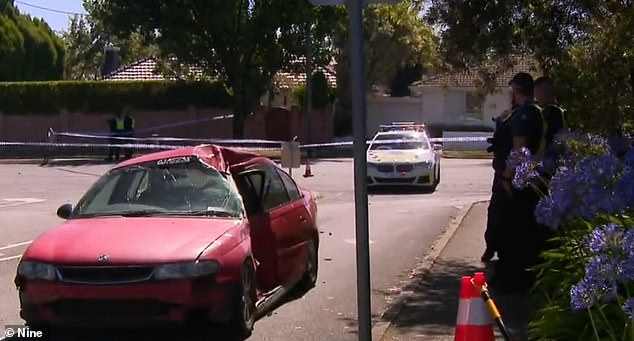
(142, 213)
(209, 213)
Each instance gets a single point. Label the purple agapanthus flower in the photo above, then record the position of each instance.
(583, 191)
(605, 238)
(589, 291)
(519, 157)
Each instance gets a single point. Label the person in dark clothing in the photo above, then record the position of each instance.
(117, 129)
(498, 204)
(553, 114)
(129, 125)
(520, 242)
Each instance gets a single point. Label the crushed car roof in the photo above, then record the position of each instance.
(219, 157)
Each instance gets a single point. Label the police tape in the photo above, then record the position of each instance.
(165, 139)
(168, 125)
(109, 145)
(261, 145)
(370, 142)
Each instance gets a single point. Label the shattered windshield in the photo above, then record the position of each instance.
(400, 142)
(175, 186)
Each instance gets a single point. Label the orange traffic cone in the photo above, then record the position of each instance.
(308, 173)
(474, 323)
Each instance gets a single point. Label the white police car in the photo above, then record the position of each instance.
(403, 157)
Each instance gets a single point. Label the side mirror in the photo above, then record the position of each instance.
(437, 146)
(65, 211)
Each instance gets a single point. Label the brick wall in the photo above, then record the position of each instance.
(33, 127)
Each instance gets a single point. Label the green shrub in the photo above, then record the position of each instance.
(322, 93)
(95, 96)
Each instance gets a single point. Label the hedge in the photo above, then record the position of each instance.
(436, 130)
(99, 96)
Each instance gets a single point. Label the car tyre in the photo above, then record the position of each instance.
(437, 177)
(243, 308)
(309, 279)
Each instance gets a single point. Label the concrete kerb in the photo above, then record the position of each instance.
(387, 317)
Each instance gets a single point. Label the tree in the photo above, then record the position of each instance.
(568, 39)
(29, 49)
(243, 43)
(395, 36)
(85, 40)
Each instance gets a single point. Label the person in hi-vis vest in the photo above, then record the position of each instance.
(552, 113)
(117, 129)
(128, 127)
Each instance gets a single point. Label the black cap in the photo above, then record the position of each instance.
(523, 82)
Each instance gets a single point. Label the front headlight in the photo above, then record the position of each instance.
(37, 271)
(425, 164)
(185, 270)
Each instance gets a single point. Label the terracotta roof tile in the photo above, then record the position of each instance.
(502, 73)
(147, 69)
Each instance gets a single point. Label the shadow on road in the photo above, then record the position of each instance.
(163, 334)
(213, 333)
(433, 302)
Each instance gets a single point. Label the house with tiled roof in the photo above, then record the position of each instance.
(288, 80)
(150, 69)
(459, 97)
(285, 82)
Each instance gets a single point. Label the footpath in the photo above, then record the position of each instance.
(430, 311)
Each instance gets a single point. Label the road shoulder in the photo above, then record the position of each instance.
(430, 311)
(410, 294)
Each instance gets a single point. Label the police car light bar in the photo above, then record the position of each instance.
(402, 126)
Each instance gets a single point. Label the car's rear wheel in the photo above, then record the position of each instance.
(309, 279)
(243, 308)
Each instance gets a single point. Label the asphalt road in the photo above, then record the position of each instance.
(403, 226)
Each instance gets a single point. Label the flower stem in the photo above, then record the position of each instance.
(594, 325)
(607, 324)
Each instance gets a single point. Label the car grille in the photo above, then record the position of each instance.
(424, 179)
(395, 181)
(104, 274)
(404, 168)
(385, 168)
(118, 308)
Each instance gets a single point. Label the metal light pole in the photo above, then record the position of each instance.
(357, 77)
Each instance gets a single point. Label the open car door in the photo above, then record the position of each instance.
(278, 224)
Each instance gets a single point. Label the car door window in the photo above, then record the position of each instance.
(274, 193)
(289, 184)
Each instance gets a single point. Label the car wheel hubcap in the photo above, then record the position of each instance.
(247, 297)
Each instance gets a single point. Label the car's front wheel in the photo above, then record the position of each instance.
(243, 307)
(309, 280)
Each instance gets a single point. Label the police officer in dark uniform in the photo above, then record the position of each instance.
(519, 240)
(553, 114)
(498, 204)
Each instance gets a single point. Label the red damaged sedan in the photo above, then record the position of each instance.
(199, 234)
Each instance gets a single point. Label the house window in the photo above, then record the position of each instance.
(474, 105)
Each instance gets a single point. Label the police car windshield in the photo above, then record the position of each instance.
(177, 186)
(399, 142)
